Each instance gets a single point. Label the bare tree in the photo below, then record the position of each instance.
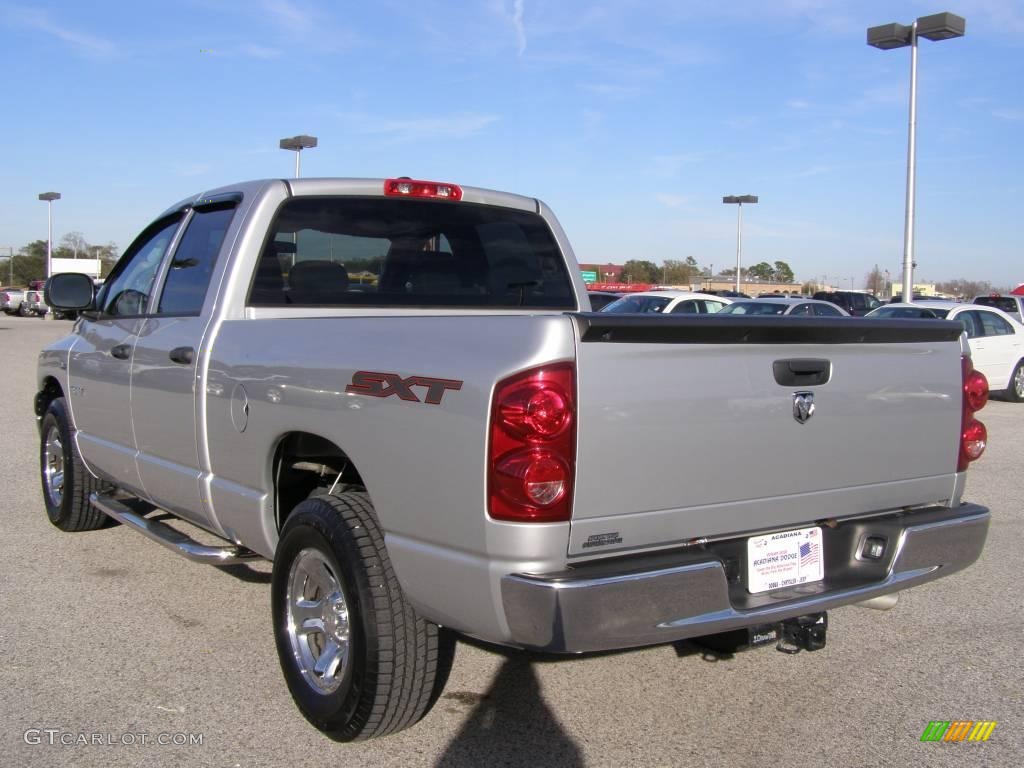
(875, 281)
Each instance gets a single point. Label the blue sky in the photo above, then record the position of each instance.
(631, 119)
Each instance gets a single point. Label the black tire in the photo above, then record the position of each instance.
(69, 508)
(1015, 391)
(397, 662)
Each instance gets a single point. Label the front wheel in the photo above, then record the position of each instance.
(66, 482)
(359, 661)
(1016, 388)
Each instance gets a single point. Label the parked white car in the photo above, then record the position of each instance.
(668, 302)
(995, 338)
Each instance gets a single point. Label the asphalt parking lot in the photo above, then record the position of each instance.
(110, 636)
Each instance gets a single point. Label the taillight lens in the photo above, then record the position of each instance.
(976, 390)
(973, 435)
(532, 452)
(414, 188)
(973, 440)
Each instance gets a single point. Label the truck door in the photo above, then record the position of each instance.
(100, 368)
(166, 372)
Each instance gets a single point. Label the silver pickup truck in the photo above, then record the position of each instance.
(395, 390)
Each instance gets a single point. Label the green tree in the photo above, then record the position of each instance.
(636, 271)
(678, 272)
(29, 263)
(782, 273)
(762, 271)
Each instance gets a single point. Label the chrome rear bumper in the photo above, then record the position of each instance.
(644, 601)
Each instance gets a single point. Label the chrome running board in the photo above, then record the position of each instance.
(169, 537)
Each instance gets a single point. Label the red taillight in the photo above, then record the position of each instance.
(973, 435)
(414, 188)
(532, 453)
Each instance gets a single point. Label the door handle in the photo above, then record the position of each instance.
(121, 351)
(802, 373)
(182, 355)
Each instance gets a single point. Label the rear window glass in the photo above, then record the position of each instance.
(1004, 303)
(348, 251)
(753, 308)
(637, 304)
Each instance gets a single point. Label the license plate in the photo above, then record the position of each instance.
(784, 559)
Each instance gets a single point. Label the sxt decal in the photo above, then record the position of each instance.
(377, 384)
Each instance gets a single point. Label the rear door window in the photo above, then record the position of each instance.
(689, 307)
(384, 252)
(993, 325)
(188, 276)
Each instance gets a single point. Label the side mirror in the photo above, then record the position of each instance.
(69, 290)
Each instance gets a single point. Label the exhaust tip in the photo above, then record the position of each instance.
(881, 603)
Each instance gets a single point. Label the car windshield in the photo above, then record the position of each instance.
(754, 308)
(635, 304)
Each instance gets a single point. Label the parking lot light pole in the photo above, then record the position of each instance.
(939, 26)
(296, 144)
(738, 201)
(49, 197)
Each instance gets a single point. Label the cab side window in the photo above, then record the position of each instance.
(127, 291)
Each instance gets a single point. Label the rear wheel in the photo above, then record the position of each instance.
(359, 661)
(66, 482)
(1016, 388)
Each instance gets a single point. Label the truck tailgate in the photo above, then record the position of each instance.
(688, 426)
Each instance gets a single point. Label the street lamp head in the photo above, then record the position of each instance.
(941, 26)
(49, 197)
(739, 199)
(297, 143)
(889, 36)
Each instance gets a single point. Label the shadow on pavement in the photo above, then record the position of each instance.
(510, 725)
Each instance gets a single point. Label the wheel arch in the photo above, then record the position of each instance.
(48, 392)
(304, 462)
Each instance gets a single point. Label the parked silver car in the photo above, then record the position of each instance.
(11, 300)
(34, 304)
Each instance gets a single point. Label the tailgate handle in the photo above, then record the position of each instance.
(802, 373)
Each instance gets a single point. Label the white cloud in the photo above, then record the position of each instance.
(195, 169)
(814, 170)
(258, 51)
(81, 41)
(1014, 115)
(297, 20)
(413, 129)
(670, 165)
(672, 201)
(797, 104)
(512, 14)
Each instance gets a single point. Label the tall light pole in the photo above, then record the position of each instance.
(49, 197)
(10, 260)
(739, 200)
(296, 144)
(940, 26)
